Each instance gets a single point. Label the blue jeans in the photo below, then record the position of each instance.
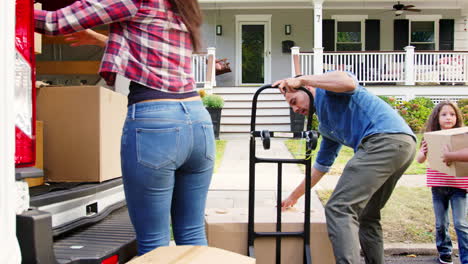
(167, 153)
(441, 198)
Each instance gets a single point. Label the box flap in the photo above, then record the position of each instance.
(192, 255)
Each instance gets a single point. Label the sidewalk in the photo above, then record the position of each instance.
(229, 186)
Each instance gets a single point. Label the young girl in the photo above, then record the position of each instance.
(447, 189)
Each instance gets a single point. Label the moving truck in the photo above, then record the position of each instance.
(61, 222)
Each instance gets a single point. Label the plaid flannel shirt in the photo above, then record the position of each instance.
(148, 43)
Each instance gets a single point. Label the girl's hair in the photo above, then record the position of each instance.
(191, 14)
(432, 123)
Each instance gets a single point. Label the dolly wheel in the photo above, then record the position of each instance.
(265, 136)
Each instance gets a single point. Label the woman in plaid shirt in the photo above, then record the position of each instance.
(168, 146)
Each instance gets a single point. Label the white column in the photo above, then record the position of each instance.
(295, 53)
(209, 84)
(318, 42)
(409, 65)
(9, 248)
(318, 60)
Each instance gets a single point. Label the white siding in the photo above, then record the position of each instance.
(461, 34)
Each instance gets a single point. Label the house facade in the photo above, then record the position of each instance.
(256, 36)
(402, 49)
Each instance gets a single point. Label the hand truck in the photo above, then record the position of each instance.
(265, 135)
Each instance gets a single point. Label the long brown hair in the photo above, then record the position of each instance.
(433, 124)
(191, 14)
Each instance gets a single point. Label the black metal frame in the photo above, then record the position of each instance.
(265, 135)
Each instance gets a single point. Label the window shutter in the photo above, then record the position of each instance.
(328, 34)
(446, 35)
(400, 34)
(373, 34)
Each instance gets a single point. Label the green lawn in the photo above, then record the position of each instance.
(407, 217)
(296, 147)
(220, 147)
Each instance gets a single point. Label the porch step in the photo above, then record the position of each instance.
(260, 112)
(260, 104)
(232, 120)
(245, 128)
(272, 111)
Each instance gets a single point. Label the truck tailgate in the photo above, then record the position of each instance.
(95, 243)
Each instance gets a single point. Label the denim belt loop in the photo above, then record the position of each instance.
(133, 111)
(184, 107)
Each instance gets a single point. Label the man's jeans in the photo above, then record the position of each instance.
(168, 152)
(442, 197)
(368, 180)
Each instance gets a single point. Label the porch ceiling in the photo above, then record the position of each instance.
(329, 4)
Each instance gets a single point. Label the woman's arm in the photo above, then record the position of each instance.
(82, 15)
(450, 156)
(86, 37)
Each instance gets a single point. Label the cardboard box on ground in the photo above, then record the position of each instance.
(82, 130)
(456, 139)
(192, 255)
(227, 229)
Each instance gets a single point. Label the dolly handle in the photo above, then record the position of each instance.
(268, 86)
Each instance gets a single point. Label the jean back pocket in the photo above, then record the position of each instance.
(157, 148)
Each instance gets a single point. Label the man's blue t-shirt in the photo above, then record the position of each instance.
(347, 118)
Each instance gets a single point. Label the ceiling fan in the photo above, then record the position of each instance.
(400, 8)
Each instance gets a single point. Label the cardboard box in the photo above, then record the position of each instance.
(82, 130)
(456, 139)
(39, 155)
(192, 255)
(227, 229)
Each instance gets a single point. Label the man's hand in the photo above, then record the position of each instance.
(288, 85)
(86, 37)
(288, 202)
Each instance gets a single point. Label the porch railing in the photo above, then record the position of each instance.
(406, 67)
(203, 68)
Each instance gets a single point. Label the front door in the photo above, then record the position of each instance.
(253, 50)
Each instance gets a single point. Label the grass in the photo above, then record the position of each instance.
(408, 216)
(220, 147)
(296, 147)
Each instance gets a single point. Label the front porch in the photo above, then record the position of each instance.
(404, 75)
(395, 67)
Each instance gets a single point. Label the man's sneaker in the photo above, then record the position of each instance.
(445, 259)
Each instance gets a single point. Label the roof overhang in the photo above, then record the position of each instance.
(329, 4)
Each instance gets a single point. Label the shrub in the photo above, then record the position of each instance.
(389, 100)
(463, 105)
(213, 101)
(416, 112)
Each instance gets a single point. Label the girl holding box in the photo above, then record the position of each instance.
(447, 190)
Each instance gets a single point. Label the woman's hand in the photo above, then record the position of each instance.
(288, 202)
(86, 37)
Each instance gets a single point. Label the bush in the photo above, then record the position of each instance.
(416, 112)
(463, 105)
(389, 100)
(213, 101)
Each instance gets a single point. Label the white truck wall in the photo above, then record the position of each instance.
(9, 248)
